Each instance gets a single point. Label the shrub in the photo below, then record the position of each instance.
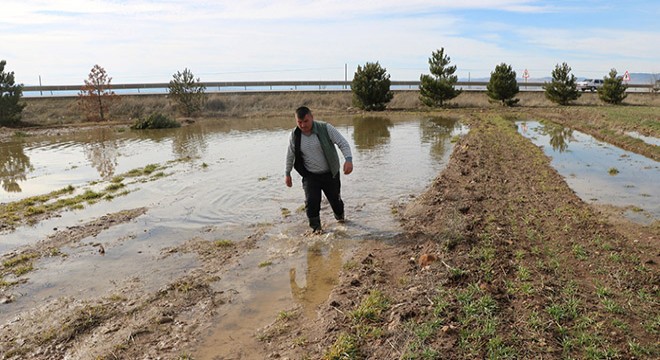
(155, 121)
(437, 88)
(503, 85)
(613, 90)
(371, 87)
(563, 87)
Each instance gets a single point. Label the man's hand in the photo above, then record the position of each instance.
(348, 167)
(287, 181)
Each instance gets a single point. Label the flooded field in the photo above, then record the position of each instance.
(201, 250)
(218, 181)
(599, 172)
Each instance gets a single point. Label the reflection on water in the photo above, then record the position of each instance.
(101, 151)
(40, 164)
(14, 166)
(371, 131)
(438, 131)
(586, 163)
(320, 277)
(559, 136)
(189, 142)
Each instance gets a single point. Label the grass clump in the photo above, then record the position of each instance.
(90, 195)
(222, 243)
(147, 170)
(156, 121)
(345, 347)
(19, 260)
(114, 186)
(371, 308)
(19, 264)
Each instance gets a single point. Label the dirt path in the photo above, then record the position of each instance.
(501, 260)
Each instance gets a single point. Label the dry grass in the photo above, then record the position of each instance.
(64, 110)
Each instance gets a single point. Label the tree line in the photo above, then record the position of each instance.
(370, 87)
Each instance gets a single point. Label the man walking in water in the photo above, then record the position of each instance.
(313, 154)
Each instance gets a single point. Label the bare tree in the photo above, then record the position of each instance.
(95, 98)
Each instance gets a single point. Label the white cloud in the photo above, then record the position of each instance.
(149, 40)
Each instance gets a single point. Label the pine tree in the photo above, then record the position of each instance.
(188, 92)
(503, 85)
(371, 87)
(613, 90)
(437, 88)
(563, 87)
(10, 95)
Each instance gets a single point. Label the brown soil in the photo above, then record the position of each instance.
(513, 265)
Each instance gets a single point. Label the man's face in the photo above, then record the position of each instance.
(305, 124)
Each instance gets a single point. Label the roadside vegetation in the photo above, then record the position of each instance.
(59, 111)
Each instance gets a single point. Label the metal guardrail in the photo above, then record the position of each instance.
(293, 85)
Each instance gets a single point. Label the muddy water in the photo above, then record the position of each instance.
(224, 180)
(599, 172)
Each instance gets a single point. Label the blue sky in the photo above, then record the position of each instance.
(253, 40)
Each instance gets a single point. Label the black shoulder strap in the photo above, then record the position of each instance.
(298, 162)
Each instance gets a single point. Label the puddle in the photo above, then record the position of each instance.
(300, 277)
(647, 139)
(228, 177)
(599, 172)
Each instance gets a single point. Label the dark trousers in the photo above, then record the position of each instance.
(331, 187)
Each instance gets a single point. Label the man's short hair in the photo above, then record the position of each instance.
(302, 111)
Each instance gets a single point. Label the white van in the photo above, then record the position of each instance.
(590, 84)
